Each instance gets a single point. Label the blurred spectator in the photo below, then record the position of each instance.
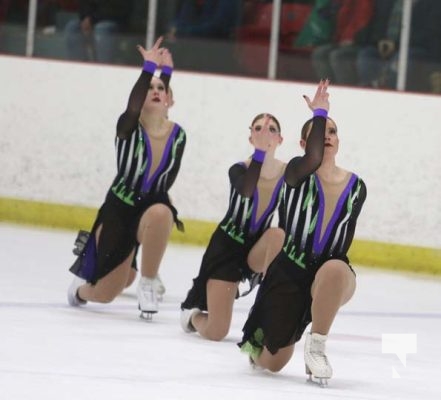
(337, 60)
(378, 62)
(92, 37)
(46, 12)
(385, 28)
(205, 18)
(52, 15)
(319, 26)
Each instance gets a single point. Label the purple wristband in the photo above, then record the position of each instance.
(320, 112)
(149, 66)
(167, 70)
(259, 155)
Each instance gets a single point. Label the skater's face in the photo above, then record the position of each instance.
(331, 137)
(157, 99)
(268, 123)
(273, 126)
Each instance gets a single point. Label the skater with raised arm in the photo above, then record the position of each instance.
(244, 242)
(137, 211)
(312, 277)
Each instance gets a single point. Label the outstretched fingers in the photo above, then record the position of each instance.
(262, 136)
(158, 43)
(322, 87)
(321, 96)
(166, 57)
(266, 122)
(308, 101)
(153, 54)
(141, 50)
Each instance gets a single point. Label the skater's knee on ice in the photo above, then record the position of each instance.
(216, 333)
(273, 365)
(275, 362)
(106, 298)
(102, 296)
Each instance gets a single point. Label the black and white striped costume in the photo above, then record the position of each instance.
(281, 311)
(132, 191)
(226, 255)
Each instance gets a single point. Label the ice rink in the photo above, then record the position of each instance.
(49, 350)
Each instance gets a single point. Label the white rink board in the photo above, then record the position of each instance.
(57, 124)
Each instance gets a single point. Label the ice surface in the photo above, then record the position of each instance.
(51, 351)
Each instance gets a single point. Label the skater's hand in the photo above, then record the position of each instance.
(263, 135)
(154, 54)
(166, 58)
(321, 97)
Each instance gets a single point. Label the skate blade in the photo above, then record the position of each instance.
(321, 382)
(147, 315)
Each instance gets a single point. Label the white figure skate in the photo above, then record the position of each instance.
(186, 316)
(72, 297)
(159, 287)
(147, 298)
(316, 363)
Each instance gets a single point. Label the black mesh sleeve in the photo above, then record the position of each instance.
(129, 118)
(244, 179)
(166, 79)
(299, 168)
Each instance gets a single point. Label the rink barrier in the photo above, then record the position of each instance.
(363, 252)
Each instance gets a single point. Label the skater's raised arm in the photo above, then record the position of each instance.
(129, 118)
(300, 167)
(265, 129)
